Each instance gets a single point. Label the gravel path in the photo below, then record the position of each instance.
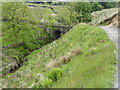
(113, 35)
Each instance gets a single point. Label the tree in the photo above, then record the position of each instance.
(82, 11)
(74, 13)
(96, 6)
(109, 4)
(63, 18)
(18, 24)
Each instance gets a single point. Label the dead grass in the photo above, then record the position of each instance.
(64, 59)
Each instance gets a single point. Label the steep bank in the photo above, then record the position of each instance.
(92, 68)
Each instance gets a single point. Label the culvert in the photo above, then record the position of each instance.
(57, 34)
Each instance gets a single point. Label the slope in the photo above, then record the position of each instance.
(83, 57)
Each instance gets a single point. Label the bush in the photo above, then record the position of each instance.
(96, 6)
(109, 4)
(82, 10)
(55, 74)
(46, 83)
(64, 18)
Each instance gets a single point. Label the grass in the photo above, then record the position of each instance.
(88, 72)
(43, 15)
(64, 59)
(93, 68)
(0, 34)
(46, 15)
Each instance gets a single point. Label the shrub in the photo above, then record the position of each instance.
(96, 6)
(109, 4)
(46, 83)
(82, 10)
(55, 74)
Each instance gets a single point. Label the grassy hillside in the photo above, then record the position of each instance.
(100, 16)
(83, 57)
(46, 15)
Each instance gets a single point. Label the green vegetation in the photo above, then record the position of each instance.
(96, 6)
(74, 13)
(82, 57)
(69, 15)
(20, 31)
(94, 68)
(55, 74)
(107, 5)
(82, 10)
(19, 25)
(43, 16)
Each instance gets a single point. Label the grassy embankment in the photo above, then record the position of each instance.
(83, 57)
(46, 15)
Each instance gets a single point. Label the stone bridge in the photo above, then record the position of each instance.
(57, 31)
